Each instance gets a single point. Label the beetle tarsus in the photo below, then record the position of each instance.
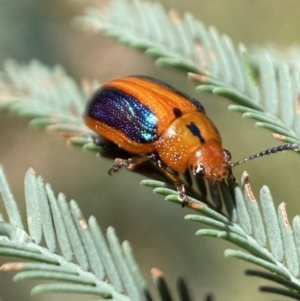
(182, 197)
(117, 165)
(128, 163)
(181, 194)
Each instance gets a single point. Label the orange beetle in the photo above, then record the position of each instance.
(155, 121)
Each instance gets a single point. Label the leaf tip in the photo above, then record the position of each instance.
(31, 171)
(157, 273)
(12, 266)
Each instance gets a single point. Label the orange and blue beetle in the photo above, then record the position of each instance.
(157, 122)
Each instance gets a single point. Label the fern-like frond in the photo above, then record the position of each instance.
(77, 256)
(263, 89)
(103, 267)
(48, 97)
(264, 236)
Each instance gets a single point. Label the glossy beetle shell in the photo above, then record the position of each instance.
(143, 115)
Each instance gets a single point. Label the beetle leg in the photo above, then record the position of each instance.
(231, 176)
(175, 179)
(128, 163)
(178, 183)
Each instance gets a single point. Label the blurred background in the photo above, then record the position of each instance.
(156, 229)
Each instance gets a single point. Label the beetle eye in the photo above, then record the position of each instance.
(199, 171)
(227, 154)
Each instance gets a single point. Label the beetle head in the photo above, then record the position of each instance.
(210, 161)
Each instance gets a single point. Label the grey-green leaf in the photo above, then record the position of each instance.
(73, 234)
(33, 206)
(127, 277)
(287, 107)
(256, 260)
(271, 222)
(47, 225)
(241, 209)
(103, 250)
(60, 228)
(290, 252)
(10, 204)
(254, 212)
(71, 288)
(88, 242)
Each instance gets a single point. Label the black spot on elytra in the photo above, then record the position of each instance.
(195, 131)
(177, 112)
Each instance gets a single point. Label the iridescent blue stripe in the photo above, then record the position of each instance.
(125, 113)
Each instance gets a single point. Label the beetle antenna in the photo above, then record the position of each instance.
(273, 150)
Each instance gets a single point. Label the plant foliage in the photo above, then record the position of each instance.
(263, 87)
(264, 234)
(77, 257)
(48, 97)
(62, 226)
(107, 268)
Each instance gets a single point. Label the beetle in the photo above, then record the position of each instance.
(154, 121)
